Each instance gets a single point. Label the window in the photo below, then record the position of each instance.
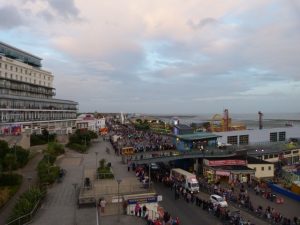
(295, 152)
(262, 168)
(11, 67)
(232, 140)
(5, 66)
(273, 137)
(282, 136)
(244, 139)
(269, 167)
(266, 156)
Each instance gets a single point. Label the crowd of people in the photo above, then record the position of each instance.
(141, 141)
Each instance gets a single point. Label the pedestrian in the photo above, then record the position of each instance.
(136, 209)
(144, 211)
(128, 166)
(103, 204)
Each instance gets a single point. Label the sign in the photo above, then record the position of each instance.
(227, 162)
(142, 200)
(222, 173)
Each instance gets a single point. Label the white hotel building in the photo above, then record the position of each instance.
(26, 96)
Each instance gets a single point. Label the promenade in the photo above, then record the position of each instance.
(60, 205)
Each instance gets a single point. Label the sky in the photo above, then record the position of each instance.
(164, 56)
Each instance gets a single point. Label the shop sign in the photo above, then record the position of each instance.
(227, 162)
(151, 199)
(222, 173)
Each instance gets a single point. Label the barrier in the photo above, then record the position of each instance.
(284, 192)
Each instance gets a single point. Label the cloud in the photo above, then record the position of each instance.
(65, 8)
(202, 23)
(166, 55)
(10, 17)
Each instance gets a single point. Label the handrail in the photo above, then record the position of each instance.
(19, 220)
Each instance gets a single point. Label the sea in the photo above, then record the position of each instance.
(270, 120)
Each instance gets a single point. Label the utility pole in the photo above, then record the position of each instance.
(96, 165)
(75, 194)
(119, 214)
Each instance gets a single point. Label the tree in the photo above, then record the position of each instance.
(10, 161)
(4, 149)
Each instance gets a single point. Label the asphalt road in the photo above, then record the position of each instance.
(190, 213)
(187, 213)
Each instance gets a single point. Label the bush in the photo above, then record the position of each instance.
(77, 147)
(49, 158)
(22, 156)
(104, 171)
(47, 172)
(26, 203)
(41, 139)
(55, 149)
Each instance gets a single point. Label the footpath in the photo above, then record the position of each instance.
(29, 178)
(60, 205)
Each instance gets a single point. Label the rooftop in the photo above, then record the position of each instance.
(20, 55)
(252, 160)
(197, 136)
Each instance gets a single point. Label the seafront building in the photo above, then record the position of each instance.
(27, 100)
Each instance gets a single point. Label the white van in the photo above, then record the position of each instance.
(187, 179)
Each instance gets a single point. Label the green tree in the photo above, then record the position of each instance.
(10, 161)
(22, 156)
(4, 149)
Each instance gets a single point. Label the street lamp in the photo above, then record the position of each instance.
(75, 190)
(119, 181)
(29, 182)
(149, 176)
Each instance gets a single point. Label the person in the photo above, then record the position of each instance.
(103, 204)
(136, 209)
(144, 211)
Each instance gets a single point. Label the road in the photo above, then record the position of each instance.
(187, 213)
(191, 213)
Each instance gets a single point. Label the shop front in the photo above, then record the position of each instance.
(227, 171)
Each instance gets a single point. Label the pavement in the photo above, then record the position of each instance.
(29, 178)
(60, 205)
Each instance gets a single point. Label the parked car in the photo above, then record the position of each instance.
(218, 200)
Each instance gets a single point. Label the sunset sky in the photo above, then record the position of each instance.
(164, 56)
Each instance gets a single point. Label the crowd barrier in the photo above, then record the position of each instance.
(284, 191)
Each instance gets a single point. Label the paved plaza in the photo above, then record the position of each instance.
(60, 206)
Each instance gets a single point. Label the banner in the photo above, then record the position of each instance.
(227, 162)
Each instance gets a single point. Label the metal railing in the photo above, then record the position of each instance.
(207, 153)
(27, 218)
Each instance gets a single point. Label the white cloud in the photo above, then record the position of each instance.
(146, 53)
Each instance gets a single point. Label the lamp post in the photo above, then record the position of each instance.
(15, 149)
(119, 181)
(29, 182)
(75, 190)
(149, 175)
